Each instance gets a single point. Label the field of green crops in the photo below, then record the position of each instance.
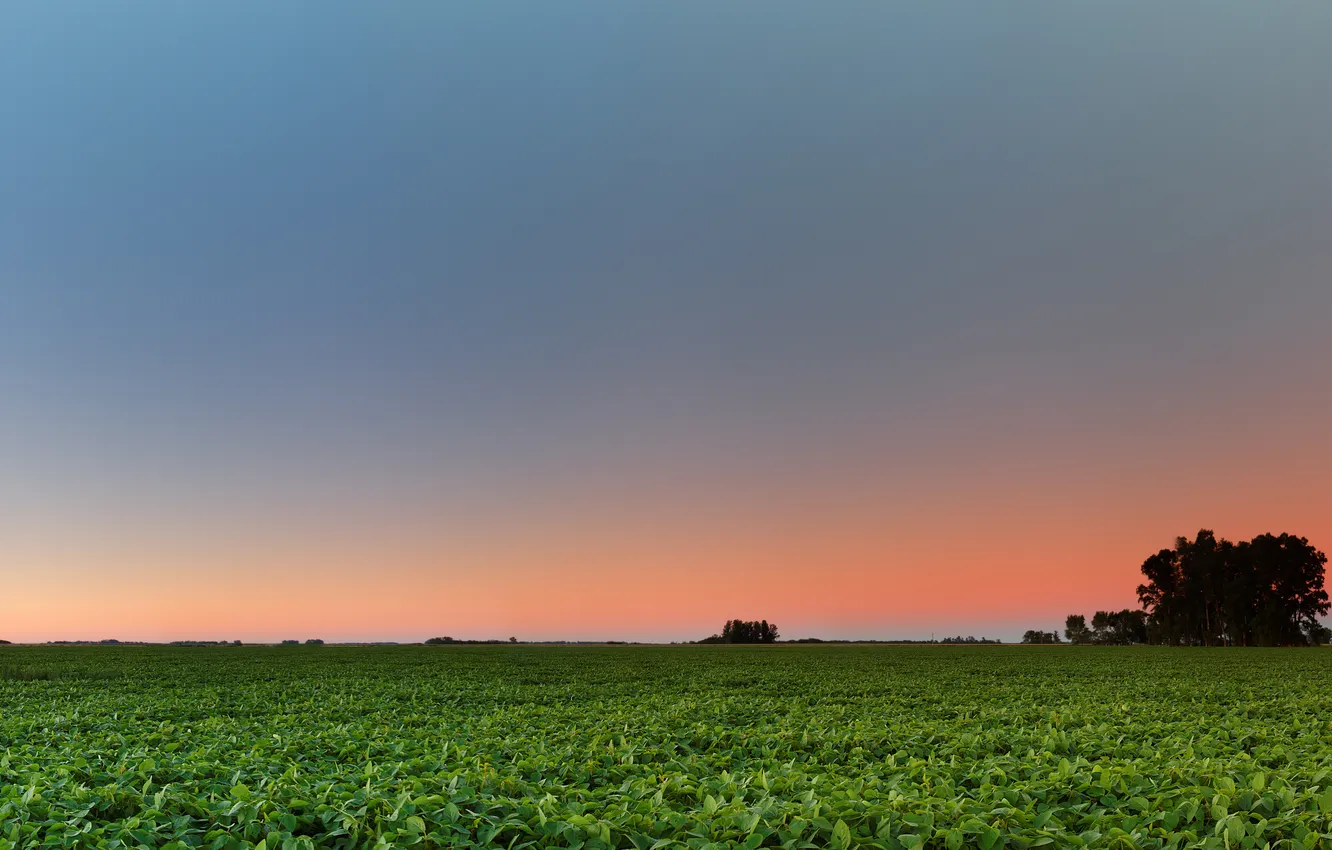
(658, 747)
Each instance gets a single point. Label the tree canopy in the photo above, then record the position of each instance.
(1108, 628)
(745, 631)
(1210, 592)
(1075, 629)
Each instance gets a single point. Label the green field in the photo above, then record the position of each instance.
(656, 747)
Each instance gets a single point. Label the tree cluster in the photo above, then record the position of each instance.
(1267, 591)
(969, 639)
(745, 631)
(1037, 636)
(1108, 628)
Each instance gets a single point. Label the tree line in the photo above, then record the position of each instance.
(1208, 591)
(1108, 628)
(745, 631)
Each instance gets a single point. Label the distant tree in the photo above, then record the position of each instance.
(237, 643)
(513, 640)
(4, 643)
(1119, 628)
(1210, 592)
(439, 641)
(1317, 634)
(1037, 636)
(314, 642)
(746, 631)
(291, 643)
(1075, 629)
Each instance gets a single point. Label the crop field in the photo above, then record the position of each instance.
(663, 747)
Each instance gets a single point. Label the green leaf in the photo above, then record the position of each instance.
(841, 836)
(1235, 828)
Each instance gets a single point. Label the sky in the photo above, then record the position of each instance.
(602, 320)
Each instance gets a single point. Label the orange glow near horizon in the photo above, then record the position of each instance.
(1005, 555)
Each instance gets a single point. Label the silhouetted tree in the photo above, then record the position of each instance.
(745, 631)
(1119, 628)
(439, 641)
(1207, 592)
(1037, 636)
(1075, 629)
(1317, 634)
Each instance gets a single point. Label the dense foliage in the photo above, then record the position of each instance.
(666, 747)
(745, 631)
(1208, 591)
(1108, 628)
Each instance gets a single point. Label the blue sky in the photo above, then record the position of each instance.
(423, 268)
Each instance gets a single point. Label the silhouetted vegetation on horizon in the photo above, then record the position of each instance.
(1108, 628)
(1210, 592)
(761, 631)
(745, 631)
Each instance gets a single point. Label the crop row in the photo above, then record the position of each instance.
(797, 747)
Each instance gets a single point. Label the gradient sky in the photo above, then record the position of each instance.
(614, 320)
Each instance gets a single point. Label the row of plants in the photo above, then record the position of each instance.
(657, 747)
